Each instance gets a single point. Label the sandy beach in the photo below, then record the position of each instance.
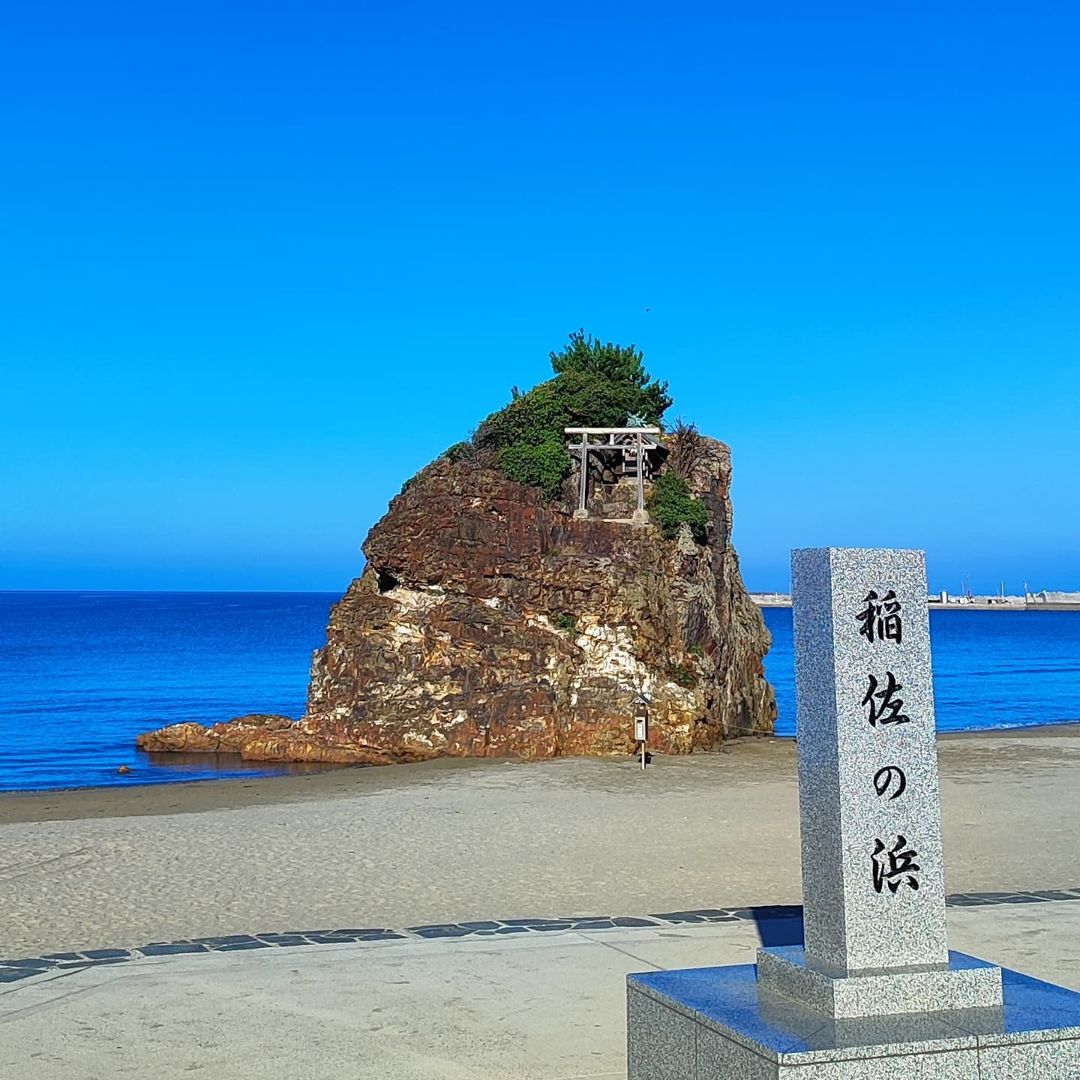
(458, 840)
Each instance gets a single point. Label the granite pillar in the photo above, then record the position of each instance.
(874, 989)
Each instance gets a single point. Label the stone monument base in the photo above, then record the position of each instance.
(716, 1024)
(963, 983)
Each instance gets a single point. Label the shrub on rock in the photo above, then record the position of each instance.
(672, 506)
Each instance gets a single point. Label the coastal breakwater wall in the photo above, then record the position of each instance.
(490, 621)
(958, 603)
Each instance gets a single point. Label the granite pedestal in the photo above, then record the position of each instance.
(874, 991)
(718, 1024)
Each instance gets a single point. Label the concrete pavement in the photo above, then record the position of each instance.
(523, 1007)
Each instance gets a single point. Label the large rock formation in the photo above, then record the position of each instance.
(489, 622)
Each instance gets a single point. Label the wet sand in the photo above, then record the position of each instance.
(196, 797)
(459, 840)
(201, 796)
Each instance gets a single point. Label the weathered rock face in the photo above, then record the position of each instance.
(489, 622)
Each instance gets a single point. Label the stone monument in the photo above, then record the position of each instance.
(874, 990)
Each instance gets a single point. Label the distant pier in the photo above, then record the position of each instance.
(1042, 601)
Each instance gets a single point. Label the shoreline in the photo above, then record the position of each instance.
(237, 793)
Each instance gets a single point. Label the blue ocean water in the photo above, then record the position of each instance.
(81, 674)
(992, 669)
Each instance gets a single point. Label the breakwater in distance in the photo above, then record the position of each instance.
(82, 673)
(992, 669)
(1033, 602)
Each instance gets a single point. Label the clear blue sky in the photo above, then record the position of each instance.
(261, 262)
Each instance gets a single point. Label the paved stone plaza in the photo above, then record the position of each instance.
(546, 1004)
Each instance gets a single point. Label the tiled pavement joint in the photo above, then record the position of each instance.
(13, 971)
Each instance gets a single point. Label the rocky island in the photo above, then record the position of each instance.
(526, 597)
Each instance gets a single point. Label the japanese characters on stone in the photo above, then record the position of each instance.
(894, 862)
